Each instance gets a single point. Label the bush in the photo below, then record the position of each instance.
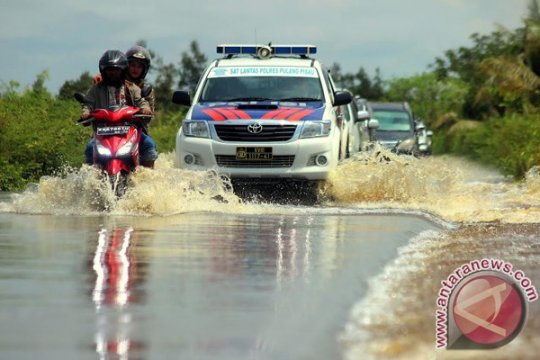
(512, 143)
(38, 137)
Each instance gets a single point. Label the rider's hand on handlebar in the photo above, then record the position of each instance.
(146, 111)
(85, 116)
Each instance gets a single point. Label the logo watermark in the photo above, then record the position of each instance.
(482, 305)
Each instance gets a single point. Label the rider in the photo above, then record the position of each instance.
(138, 65)
(112, 90)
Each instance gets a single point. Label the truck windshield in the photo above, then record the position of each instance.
(258, 88)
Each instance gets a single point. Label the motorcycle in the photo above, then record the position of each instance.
(117, 134)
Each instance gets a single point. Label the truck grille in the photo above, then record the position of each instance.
(278, 161)
(268, 133)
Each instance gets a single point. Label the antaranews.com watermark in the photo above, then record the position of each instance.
(482, 305)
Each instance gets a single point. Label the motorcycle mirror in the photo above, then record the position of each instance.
(80, 97)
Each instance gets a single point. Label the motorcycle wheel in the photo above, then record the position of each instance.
(119, 183)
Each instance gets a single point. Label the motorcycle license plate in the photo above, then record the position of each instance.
(112, 130)
(253, 153)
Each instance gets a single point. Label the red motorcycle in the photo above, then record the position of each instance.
(117, 134)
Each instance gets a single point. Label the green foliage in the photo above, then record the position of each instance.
(534, 10)
(464, 64)
(70, 87)
(512, 143)
(359, 83)
(164, 128)
(39, 84)
(163, 87)
(38, 137)
(192, 65)
(429, 97)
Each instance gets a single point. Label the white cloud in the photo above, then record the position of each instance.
(400, 37)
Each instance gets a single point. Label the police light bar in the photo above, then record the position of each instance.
(276, 49)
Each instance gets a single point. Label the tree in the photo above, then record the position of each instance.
(534, 10)
(38, 86)
(163, 86)
(70, 87)
(359, 83)
(465, 64)
(429, 97)
(9, 89)
(532, 38)
(192, 65)
(510, 84)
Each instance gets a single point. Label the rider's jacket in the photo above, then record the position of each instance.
(102, 96)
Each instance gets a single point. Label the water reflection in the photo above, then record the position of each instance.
(116, 273)
(274, 248)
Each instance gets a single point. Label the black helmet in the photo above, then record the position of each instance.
(112, 59)
(141, 55)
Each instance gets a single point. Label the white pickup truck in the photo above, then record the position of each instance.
(262, 112)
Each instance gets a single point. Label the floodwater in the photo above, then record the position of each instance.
(181, 268)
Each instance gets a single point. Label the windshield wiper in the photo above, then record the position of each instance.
(379, 129)
(300, 99)
(252, 98)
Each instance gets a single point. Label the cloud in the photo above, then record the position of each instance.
(399, 37)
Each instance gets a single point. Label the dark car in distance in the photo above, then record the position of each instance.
(397, 127)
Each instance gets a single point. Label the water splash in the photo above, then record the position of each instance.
(452, 188)
(449, 188)
(77, 191)
(162, 191)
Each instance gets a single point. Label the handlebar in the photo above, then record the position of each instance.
(143, 116)
(85, 122)
(91, 119)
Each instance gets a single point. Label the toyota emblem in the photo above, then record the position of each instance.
(254, 128)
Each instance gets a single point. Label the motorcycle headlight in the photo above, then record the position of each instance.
(127, 148)
(316, 129)
(195, 129)
(102, 150)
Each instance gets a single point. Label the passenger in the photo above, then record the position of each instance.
(138, 65)
(112, 90)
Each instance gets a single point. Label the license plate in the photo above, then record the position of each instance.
(253, 153)
(112, 130)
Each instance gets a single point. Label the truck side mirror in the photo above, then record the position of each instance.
(181, 98)
(373, 124)
(342, 98)
(362, 115)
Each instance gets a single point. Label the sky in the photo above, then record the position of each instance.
(399, 37)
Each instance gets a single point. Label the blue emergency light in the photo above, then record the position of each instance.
(304, 50)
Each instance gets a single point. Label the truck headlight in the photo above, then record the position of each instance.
(195, 128)
(316, 128)
(406, 146)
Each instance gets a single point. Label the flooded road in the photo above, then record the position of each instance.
(182, 268)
